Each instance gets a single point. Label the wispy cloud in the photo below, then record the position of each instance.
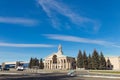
(51, 7)
(2, 44)
(118, 46)
(17, 20)
(80, 40)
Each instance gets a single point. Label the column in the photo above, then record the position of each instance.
(46, 64)
(61, 64)
(57, 64)
(66, 64)
(49, 64)
(70, 64)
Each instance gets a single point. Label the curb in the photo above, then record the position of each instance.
(113, 77)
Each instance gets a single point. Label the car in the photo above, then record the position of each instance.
(0, 68)
(20, 68)
(71, 73)
(6, 68)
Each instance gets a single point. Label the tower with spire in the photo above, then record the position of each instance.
(60, 52)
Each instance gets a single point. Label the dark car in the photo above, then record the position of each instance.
(7, 68)
(0, 68)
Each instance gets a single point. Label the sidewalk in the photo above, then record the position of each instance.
(95, 76)
(86, 73)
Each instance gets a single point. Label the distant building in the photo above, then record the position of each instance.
(15, 64)
(115, 62)
(59, 61)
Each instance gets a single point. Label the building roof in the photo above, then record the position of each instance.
(59, 53)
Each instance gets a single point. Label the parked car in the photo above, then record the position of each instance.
(5, 68)
(20, 68)
(0, 68)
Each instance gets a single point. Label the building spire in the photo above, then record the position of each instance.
(60, 49)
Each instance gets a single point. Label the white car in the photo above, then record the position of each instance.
(20, 68)
(71, 73)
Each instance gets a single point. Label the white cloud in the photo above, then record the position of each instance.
(17, 20)
(116, 46)
(2, 44)
(80, 40)
(52, 6)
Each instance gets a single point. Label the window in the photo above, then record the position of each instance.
(54, 59)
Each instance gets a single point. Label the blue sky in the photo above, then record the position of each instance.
(34, 28)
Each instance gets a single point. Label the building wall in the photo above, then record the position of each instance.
(115, 61)
(58, 60)
(14, 64)
(62, 63)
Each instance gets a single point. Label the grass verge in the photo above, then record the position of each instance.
(105, 71)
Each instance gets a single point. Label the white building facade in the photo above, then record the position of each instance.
(59, 61)
(115, 62)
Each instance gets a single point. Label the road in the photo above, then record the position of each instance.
(47, 76)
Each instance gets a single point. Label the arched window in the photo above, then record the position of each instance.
(54, 59)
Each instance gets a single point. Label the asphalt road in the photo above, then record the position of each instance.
(48, 76)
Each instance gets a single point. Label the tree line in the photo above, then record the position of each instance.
(36, 63)
(95, 61)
